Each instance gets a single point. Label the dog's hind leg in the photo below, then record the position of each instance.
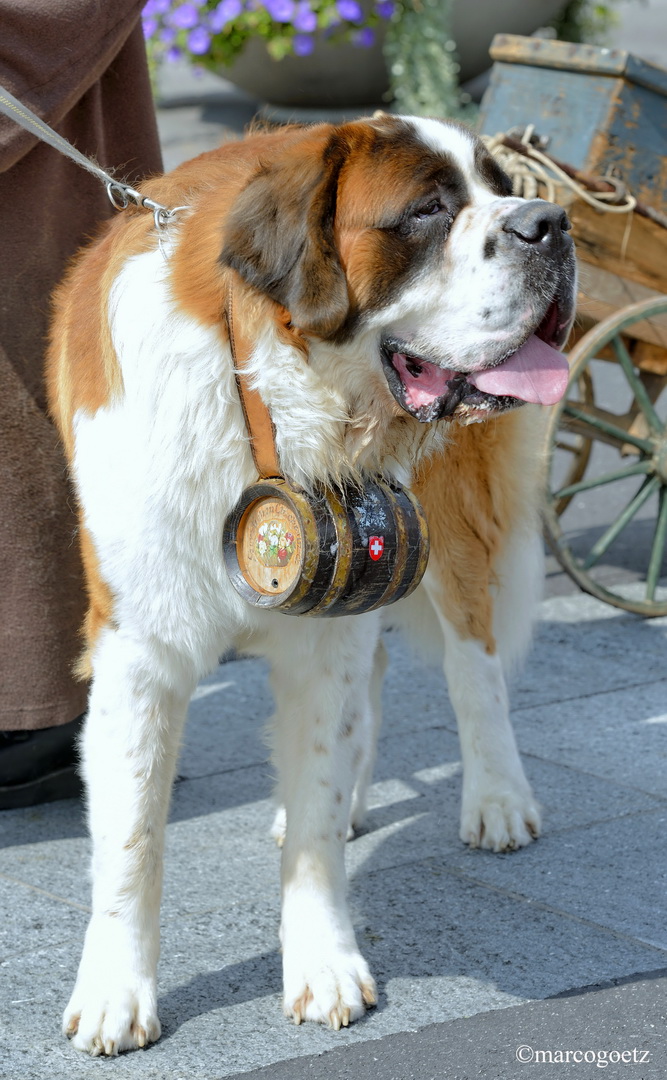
(129, 749)
(484, 578)
(498, 809)
(320, 680)
(371, 721)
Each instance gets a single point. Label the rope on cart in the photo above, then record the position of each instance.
(529, 168)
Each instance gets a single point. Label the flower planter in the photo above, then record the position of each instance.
(336, 76)
(340, 76)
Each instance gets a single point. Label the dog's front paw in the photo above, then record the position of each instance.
(114, 1003)
(499, 819)
(113, 1020)
(332, 989)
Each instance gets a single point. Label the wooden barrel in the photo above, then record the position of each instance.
(338, 552)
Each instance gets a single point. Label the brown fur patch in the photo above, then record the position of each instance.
(100, 604)
(474, 494)
(82, 370)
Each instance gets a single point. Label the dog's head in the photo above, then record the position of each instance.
(402, 233)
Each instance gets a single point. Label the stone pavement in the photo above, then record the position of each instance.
(452, 935)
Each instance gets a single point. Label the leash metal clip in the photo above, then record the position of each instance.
(121, 195)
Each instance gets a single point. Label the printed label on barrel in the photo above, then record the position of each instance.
(270, 546)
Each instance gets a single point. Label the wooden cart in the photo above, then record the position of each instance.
(603, 112)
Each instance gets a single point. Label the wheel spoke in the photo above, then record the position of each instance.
(568, 448)
(658, 548)
(610, 430)
(636, 385)
(640, 469)
(650, 485)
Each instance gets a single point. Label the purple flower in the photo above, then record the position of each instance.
(167, 35)
(224, 13)
(385, 8)
(199, 40)
(364, 38)
(350, 10)
(305, 18)
(184, 17)
(280, 10)
(150, 26)
(303, 44)
(156, 7)
(174, 53)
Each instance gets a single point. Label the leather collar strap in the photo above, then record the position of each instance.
(257, 416)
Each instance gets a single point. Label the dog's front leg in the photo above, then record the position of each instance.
(129, 750)
(318, 748)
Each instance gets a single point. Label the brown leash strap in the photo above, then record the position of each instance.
(257, 416)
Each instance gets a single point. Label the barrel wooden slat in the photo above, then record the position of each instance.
(339, 552)
(371, 519)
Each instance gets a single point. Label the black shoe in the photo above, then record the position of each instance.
(39, 766)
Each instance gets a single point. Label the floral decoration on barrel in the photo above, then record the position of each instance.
(275, 546)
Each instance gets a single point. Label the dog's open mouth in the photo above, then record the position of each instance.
(535, 372)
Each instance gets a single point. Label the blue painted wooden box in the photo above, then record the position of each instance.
(602, 108)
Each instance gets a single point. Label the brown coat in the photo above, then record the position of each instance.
(81, 65)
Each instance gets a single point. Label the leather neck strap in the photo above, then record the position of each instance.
(257, 416)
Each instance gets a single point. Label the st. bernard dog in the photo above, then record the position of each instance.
(394, 292)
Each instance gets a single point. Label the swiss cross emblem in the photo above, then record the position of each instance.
(376, 547)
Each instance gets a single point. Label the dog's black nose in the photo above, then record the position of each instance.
(539, 222)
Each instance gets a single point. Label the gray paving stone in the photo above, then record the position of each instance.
(60, 867)
(621, 736)
(613, 873)
(424, 921)
(226, 720)
(613, 653)
(33, 918)
(39, 824)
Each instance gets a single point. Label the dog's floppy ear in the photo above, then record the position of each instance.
(280, 235)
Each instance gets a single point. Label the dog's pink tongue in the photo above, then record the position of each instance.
(535, 373)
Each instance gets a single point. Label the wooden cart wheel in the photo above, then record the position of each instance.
(575, 446)
(639, 434)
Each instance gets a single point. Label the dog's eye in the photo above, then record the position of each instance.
(429, 209)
